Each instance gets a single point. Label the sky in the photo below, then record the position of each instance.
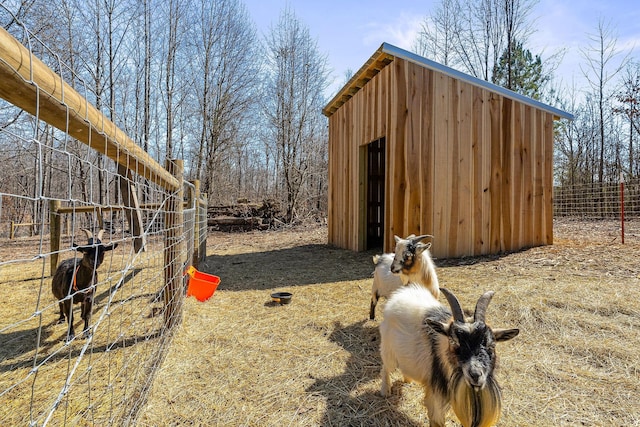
(350, 31)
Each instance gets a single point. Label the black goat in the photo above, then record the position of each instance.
(75, 279)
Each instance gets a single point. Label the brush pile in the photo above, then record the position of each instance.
(243, 216)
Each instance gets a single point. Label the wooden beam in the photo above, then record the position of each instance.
(54, 235)
(28, 83)
(373, 66)
(132, 212)
(173, 249)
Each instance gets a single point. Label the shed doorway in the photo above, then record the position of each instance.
(375, 193)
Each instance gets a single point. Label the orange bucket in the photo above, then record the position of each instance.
(201, 285)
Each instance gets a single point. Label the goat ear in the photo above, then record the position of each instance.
(83, 249)
(397, 239)
(505, 334)
(421, 247)
(110, 246)
(439, 327)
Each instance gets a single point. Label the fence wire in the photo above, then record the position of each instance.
(614, 205)
(45, 378)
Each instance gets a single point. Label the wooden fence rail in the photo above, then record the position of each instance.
(28, 83)
(130, 324)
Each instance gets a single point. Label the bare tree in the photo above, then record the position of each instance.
(439, 33)
(516, 29)
(628, 105)
(472, 35)
(174, 17)
(296, 79)
(146, 104)
(573, 144)
(599, 70)
(21, 11)
(226, 57)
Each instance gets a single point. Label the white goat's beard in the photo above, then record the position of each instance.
(475, 407)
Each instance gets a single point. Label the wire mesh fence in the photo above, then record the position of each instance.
(612, 205)
(65, 169)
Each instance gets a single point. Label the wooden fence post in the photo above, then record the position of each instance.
(202, 252)
(173, 263)
(54, 233)
(195, 193)
(132, 213)
(190, 236)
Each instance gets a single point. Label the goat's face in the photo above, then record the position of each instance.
(474, 347)
(472, 343)
(93, 251)
(407, 252)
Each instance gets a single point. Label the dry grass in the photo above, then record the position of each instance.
(238, 359)
(35, 361)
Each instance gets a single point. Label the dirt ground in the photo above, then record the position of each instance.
(240, 359)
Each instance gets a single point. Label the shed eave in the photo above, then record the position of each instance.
(427, 63)
(385, 55)
(376, 62)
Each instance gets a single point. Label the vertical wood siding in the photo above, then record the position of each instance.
(465, 164)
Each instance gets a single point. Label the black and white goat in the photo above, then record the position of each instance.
(75, 279)
(452, 358)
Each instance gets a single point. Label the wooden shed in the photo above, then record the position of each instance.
(417, 147)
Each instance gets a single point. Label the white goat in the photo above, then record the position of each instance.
(384, 281)
(413, 262)
(453, 359)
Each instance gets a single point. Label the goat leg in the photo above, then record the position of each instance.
(372, 308)
(68, 310)
(86, 315)
(62, 317)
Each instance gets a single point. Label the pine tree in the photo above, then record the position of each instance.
(523, 73)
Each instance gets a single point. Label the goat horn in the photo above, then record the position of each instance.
(481, 306)
(87, 232)
(456, 310)
(419, 238)
(100, 233)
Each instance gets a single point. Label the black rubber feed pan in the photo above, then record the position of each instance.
(281, 297)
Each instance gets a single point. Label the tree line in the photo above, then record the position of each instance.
(193, 79)
(488, 39)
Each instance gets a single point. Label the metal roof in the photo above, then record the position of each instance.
(386, 54)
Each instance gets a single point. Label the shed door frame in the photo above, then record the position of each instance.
(374, 195)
